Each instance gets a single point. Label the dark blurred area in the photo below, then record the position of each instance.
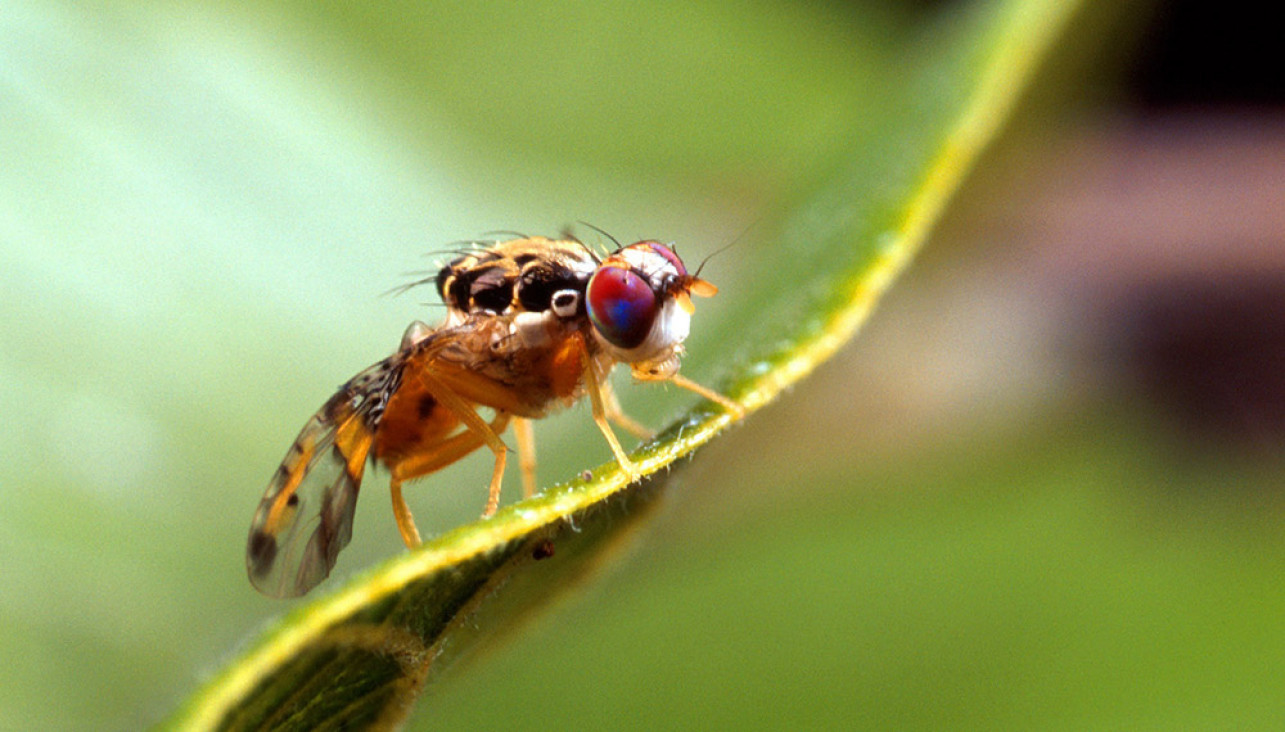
(1211, 351)
(1197, 314)
(1203, 54)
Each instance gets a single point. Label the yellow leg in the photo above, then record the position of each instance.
(405, 521)
(611, 405)
(526, 454)
(422, 464)
(594, 386)
(477, 432)
(737, 410)
(446, 396)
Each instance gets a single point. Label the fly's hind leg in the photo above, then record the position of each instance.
(526, 454)
(446, 453)
(477, 433)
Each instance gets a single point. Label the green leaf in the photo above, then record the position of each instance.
(362, 655)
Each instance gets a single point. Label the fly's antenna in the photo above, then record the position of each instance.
(710, 256)
(736, 240)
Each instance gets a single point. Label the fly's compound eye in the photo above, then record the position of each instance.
(565, 303)
(622, 306)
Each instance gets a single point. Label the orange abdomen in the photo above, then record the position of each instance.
(413, 422)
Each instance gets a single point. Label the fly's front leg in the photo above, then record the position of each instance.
(736, 410)
(593, 384)
(611, 406)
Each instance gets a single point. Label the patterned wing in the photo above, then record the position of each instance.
(306, 515)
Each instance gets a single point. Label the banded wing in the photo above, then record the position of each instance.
(306, 515)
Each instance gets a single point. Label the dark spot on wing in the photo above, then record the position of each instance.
(331, 408)
(261, 551)
(293, 500)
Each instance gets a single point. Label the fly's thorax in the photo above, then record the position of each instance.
(522, 275)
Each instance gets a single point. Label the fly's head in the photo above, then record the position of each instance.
(639, 304)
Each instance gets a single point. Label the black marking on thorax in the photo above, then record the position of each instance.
(490, 288)
(526, 282)
(541, 279)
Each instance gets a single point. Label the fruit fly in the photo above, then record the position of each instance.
(532, 325)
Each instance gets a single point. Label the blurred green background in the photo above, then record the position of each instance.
(1042, 490)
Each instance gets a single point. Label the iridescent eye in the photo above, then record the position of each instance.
(622, 306)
